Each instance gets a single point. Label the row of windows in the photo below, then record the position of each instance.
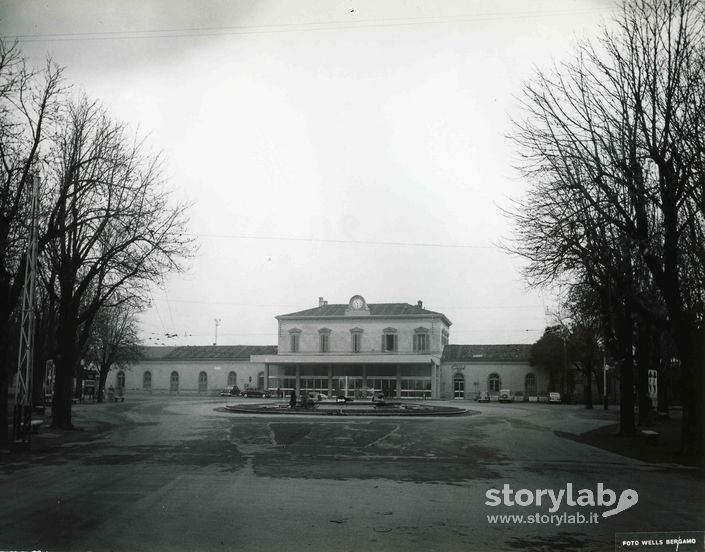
(174, 380)
(494, 382)
(422, 340)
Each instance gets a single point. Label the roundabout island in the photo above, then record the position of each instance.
(350, 408)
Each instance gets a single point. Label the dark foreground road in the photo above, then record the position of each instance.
(181, 475)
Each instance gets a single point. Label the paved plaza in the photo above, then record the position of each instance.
(184, 474)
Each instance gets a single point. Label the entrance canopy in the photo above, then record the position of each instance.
(346, 359)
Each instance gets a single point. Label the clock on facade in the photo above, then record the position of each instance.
(357, 302)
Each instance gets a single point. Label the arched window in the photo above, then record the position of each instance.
(174, 382)
(147, 381)
(260, 380)
(494, 383)
(121, 379)
(232, 379)
(530, 384)
(202, 382)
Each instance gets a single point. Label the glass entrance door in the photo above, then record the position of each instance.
(458, 386)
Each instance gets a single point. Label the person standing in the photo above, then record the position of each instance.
(292, 399)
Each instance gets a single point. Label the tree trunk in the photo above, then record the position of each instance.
(103, 375)
(4, 390)
(692, 360)
(587, 394)
(63, 393)
(643, 363)
(600, 376)
(7, 363)
(78, 389)
(662, 386)
(66, 362)
(626, 396)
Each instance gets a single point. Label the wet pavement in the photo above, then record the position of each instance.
(183, 474)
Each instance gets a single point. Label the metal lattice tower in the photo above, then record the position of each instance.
(22, 419)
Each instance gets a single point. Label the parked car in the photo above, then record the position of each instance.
(230, 391)
(505, 395)
(483, 396)
(256, 393)
(554, 398)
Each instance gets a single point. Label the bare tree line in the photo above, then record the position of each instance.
(109, 227)
(611, 144)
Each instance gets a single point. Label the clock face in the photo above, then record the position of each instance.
(358, 303)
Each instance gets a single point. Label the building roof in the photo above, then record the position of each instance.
(375, 309)
(155, 352)
(484, 353)
(207, 352)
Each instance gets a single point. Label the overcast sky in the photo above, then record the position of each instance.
(330, 147)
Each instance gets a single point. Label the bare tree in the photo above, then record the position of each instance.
(586, 330)
(113, 341)
(550, 353)
(612, 145)
(28, 104)
(115, 231)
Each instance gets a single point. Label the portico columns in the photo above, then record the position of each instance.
(434, 381)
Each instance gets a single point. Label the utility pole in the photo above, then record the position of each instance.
(22, 415)
(217, 323)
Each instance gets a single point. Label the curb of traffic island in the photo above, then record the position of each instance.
(328, 409)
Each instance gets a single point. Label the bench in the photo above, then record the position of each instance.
(35, 425)
(650, 436)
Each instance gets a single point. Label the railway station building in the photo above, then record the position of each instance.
(399, 349)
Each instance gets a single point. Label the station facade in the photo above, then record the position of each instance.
(352, 349)
(355, 348)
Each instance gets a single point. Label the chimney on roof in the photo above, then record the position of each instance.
(420, 304)
(321, 302)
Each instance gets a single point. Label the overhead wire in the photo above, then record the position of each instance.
(343, 241)
(188, 32)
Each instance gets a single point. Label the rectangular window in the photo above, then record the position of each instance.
(324, 343)
(389, 343)
(444, 338)
(421, 342)
(294, 343)
(356, 343)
